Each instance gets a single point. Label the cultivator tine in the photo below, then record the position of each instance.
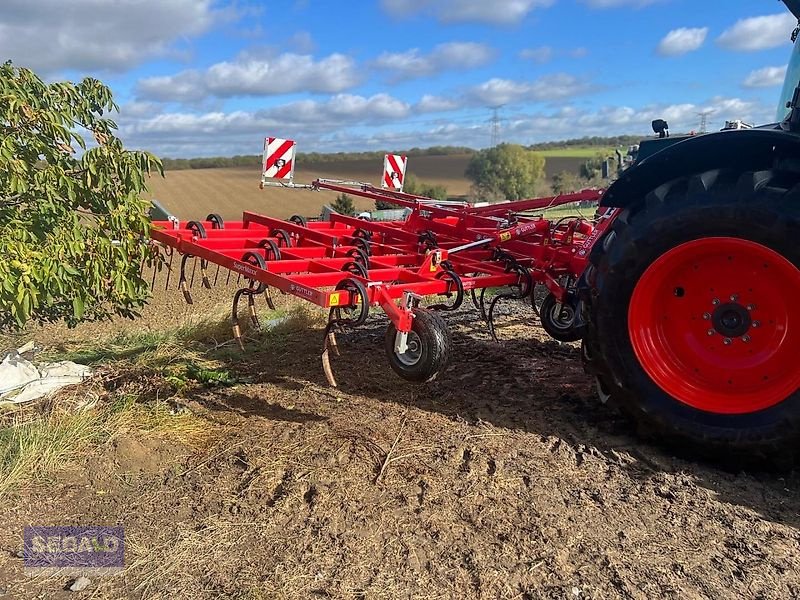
(228, 280)
(156, 267)
(251, 304)
(235, 327)
(478, 302)
(182, 282)
(204, 274)
(169, 267)
(524, 285)
(268, 299)
(216, 276)
(337, 321)
(194, 268)
(328, 344)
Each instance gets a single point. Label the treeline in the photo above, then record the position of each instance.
(254, 160)
(617, 140)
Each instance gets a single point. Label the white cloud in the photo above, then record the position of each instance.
(619, 3)
(253, 76)
(758, 33)
(544, 54)
(347, 122)
(497, 12)
(450, 56)
(311, 123)
(90, 35)
(682, 41)
(766, 77)
(549, 88)
(434, 104)
(541, 55)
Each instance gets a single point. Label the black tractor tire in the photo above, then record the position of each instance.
(761, 207)
(430, 346)
(560, 323)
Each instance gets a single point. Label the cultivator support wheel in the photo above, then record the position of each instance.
(560, 319)
(421, 354)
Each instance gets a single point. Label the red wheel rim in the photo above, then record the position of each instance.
(715, 323)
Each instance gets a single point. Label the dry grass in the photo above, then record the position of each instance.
(34, 448)
(135, 371)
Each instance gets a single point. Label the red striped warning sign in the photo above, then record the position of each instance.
(394, 172)
(278, 159)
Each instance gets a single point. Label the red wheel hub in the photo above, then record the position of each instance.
(715, 323)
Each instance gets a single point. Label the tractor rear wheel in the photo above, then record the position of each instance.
(694, 314)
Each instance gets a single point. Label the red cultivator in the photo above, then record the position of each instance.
(349, 265)
(682, 289)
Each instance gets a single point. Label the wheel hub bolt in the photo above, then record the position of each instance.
(710, 332)
(707, 316)
(751, 307)
(727, 341)
(746, 339)
(756, 323)
(734, 297)
(715, 302)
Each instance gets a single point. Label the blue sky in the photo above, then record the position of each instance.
(204, 77)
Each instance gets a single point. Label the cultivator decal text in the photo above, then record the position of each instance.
(349, 265)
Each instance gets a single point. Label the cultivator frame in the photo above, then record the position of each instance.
(348, 265)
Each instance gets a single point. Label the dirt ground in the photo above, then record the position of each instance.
(505, 478)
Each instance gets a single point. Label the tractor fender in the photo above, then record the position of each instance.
(743, 149)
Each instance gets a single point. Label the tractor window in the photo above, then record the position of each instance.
(792, 80)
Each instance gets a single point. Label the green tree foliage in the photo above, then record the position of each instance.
(73, 226)
(507, 171)
(344, 205)
(567, 182)
(618, 140)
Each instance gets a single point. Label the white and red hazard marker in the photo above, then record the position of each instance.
(278, 164)
(394, 172)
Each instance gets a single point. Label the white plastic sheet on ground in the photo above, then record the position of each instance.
(21, 381)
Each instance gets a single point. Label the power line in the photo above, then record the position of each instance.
(704, 120)
(496, 124)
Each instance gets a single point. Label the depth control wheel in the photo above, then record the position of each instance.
(427, 347)
(559, 320)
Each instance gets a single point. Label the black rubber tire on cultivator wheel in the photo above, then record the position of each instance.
(429, 350)
(693, 315)
(559, 321)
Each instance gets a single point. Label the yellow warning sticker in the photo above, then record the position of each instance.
(504, 237)
(335, 299)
